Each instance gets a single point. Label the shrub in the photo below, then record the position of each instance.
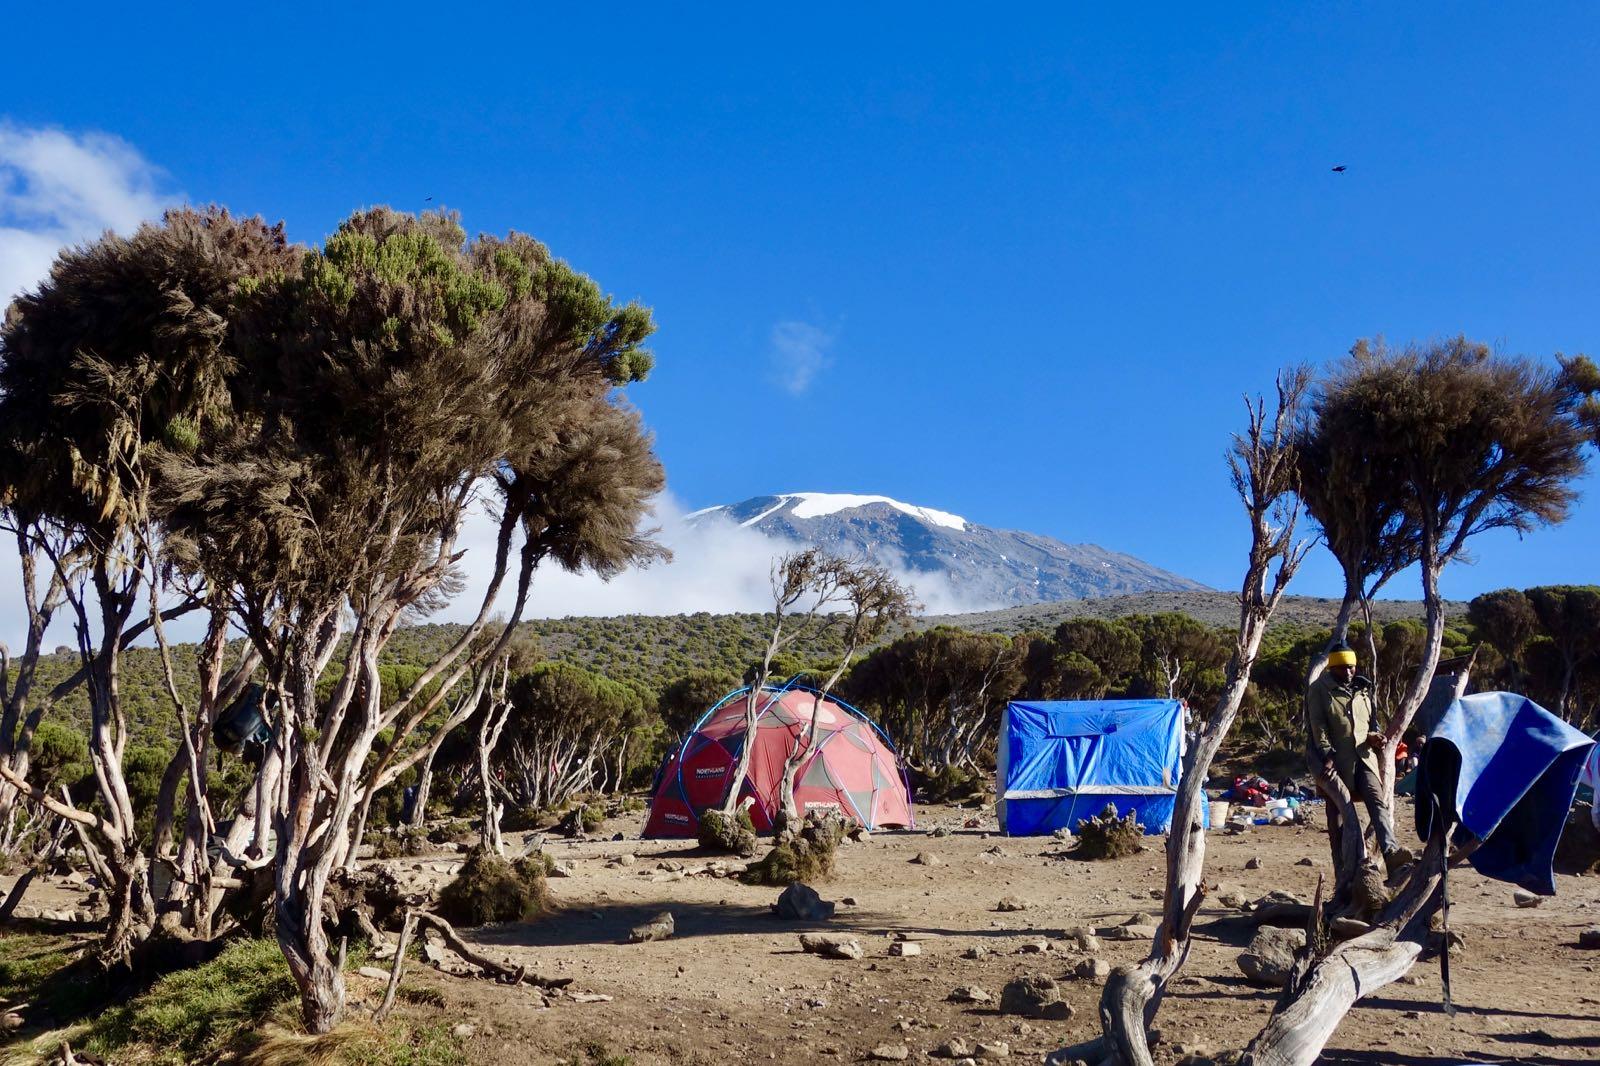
(404, 842)
(948, 785)
(591, 817)
(1106, 836)
(804, 856)
(490, 889)
(197, 1013)
(736, 834)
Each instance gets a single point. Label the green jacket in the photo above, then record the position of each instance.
(1338, 719)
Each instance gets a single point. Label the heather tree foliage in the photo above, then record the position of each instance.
(207, 417)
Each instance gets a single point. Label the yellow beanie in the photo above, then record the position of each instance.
(1342, 657)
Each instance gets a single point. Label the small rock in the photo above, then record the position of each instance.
(1253, 863)
(463, 1031)
(978, 952)
(801, 903)
(939, 831)
(658, 928)
(831, 945)
(1140, 919)
(952, 1049)
(969, 994)
(1085, 942)
(904, 949)
(374, 972)
(926, 858)
(860, 835)
(1092, 970)
(561, 869)
(889, 1053)
(1306, 862)
(850, 901)
(625, 859)
(1523, 898)
(994, 1050)
(1063, 834)
(1012, 903)
(1034, 947)
(433, 952)
(1034, 996)
(11, 1020)
(1589, 938)
(1270, 957)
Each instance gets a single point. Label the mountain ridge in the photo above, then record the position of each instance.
(986, 567)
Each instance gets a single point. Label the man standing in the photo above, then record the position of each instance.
(1342, 738)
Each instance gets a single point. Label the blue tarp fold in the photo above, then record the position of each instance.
(1506, 769)
(1062, 761)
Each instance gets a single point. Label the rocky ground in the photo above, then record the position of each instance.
(944, 918)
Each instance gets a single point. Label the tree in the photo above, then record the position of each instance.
(1263, 469)
(1478, 442)
(563, 720)
(459, 365)
(873, 601)
(1471, 441)
(1178, 655)
(686, 698)
(1570, 616)
(939, 693)
(108, 368)
(1094, 656)
(804, 586)
(1505, 619)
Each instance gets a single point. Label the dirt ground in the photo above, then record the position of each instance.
(732, 984)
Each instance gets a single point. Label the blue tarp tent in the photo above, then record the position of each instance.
(1063, 761)
(1506, 769)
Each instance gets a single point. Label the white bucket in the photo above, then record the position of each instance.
(1219, 813)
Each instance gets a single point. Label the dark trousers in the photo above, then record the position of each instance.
(1365, 787)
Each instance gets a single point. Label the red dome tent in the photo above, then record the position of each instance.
(852, 768)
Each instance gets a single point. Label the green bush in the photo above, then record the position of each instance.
(736, 835)
(198, 1013)
(804, 856)
(1106, 836)
(592, 816)
(490, 889)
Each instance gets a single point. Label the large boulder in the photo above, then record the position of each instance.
(801, 903)
(1034, 996)
(1269, 959)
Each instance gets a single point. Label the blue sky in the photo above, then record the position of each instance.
(1018, 264)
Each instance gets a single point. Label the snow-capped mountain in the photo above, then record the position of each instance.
(982, 565)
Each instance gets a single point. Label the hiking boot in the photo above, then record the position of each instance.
(1398, 859)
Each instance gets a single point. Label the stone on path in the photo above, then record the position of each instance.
(889, 1053)
(1012, 903)
(926, 858)
(831, 945)
(1092, 970)
(800, 903)
(658, 928)
(1523, 898)
(1253, 863)
(994, 1050)
(1034, 996)
(1589, 938)
(1269, 959)
(904, 949)
(969, 994)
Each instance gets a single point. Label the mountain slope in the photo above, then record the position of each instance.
(982, 565)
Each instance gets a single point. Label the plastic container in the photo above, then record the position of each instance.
(1219, 812)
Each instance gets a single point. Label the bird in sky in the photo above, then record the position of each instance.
(1339, 169)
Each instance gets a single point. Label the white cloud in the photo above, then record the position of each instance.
(799, 352)
(58, 189)
(717, 566)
